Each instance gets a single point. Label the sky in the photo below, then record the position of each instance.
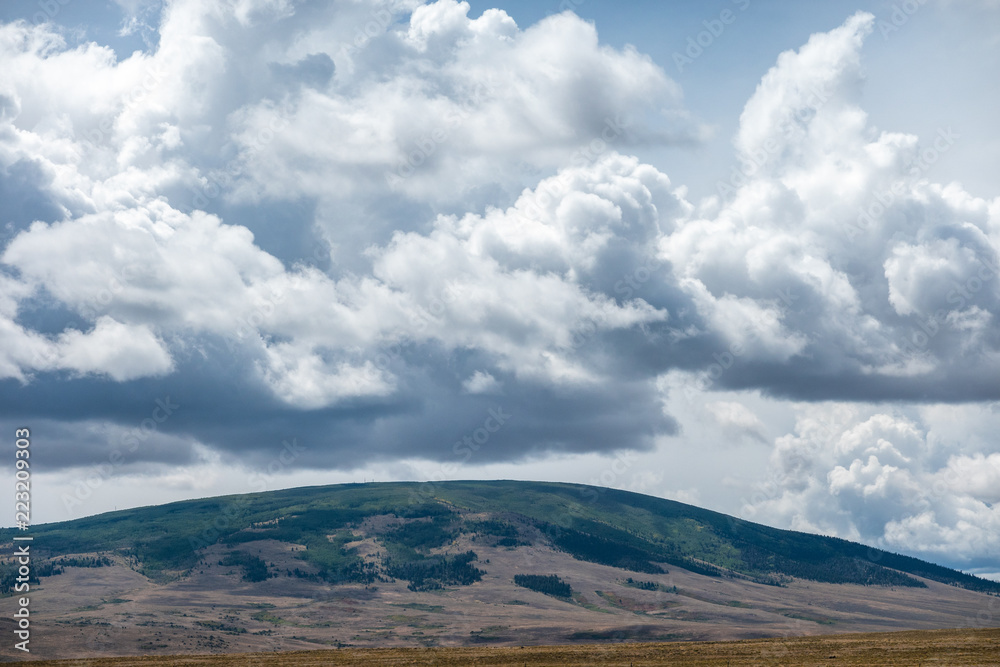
(741, 254)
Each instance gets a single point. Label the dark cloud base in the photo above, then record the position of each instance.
(429, 417)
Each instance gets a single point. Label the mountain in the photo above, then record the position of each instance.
(463, 563)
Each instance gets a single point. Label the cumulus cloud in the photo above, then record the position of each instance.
(737, 420)
(887, 478)
(146, 283)
(830, 255)
(121, 352)
(385, 113)
(480, 383)
(370, 224)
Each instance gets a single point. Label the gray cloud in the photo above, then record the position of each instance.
(885, 477)
(365, 226)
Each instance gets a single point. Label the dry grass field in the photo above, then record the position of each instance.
(117, 612)
(114, 611)
(953, 648)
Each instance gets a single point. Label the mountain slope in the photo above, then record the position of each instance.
(464, 563)
(601, 525)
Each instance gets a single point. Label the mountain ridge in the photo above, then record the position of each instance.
(461, 563)
(585, 522)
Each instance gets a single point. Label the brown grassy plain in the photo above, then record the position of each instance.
(954, 648)
(114, 615)
(110, 612)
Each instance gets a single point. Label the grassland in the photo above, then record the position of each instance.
(442, 566)
(616, 528)
(955, 648)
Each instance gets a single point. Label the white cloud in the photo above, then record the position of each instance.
(884, 478)
(779, 274)
(112, 348)
(20, 349)
(446, 105)
(737, 419)
(488, 238)
(131, 150)
(977, 475)
(832, 249)
(307, 381)
(801, 109)
(480, 383)
(147, 263)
